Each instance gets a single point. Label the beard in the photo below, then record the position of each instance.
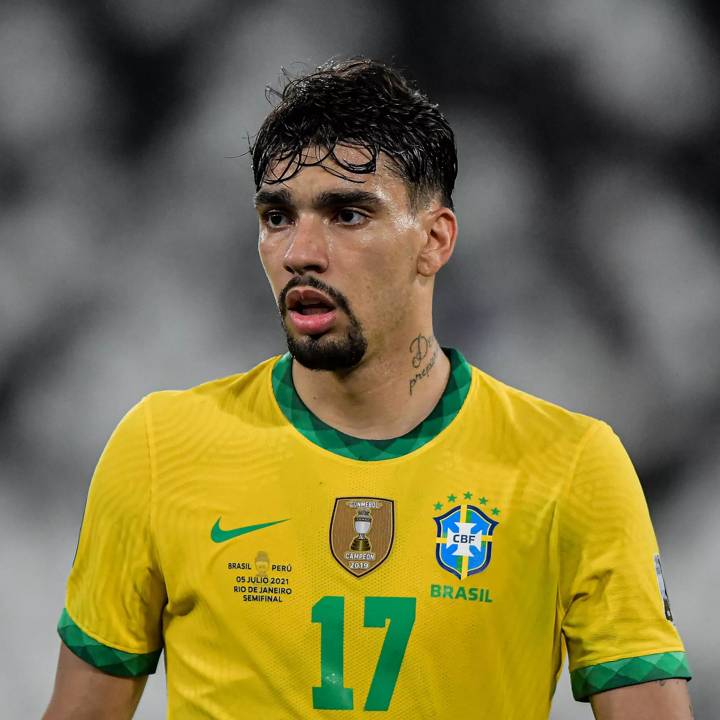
(318, 352)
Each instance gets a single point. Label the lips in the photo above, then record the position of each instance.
(311, 311)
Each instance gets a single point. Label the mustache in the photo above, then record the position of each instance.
(298, 281)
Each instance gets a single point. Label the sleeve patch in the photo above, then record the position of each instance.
(629, 671)
(103, 657)
(663, 588)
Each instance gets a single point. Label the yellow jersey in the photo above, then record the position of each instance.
(289, 570)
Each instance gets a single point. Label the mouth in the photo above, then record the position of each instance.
(311, 311)
(308, 301)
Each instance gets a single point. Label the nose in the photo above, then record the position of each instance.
(307, 251)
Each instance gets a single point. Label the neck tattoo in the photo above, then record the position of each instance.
(420, 347)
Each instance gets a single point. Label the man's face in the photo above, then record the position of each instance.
(341, 256)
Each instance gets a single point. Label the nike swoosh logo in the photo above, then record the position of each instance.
(218, 535)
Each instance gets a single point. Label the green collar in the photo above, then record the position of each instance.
(319, 433)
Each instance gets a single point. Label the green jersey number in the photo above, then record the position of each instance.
(329, 611)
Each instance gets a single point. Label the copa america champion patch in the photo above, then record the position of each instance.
(463, 544)
(362, 530)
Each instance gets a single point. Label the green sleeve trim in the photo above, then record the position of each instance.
(629, 671)
(103, 657)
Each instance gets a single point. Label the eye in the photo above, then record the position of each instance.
(276, 219)
(348, 216)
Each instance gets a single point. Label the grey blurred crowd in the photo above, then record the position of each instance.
(587, 269)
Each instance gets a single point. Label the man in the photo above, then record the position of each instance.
(366, 524)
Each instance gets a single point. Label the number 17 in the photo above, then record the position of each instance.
(329, 611)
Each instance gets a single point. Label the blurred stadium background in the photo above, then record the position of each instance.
(587, 271)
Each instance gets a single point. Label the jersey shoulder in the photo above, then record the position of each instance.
(525, 422)
(242, 395)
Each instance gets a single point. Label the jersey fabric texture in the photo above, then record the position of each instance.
(290, 570)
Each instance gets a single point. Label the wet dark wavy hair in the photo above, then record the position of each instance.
(365, 104)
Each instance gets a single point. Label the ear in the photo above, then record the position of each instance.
(440, 235)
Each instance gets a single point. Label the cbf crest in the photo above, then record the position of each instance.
(464, 540)
(362, 530)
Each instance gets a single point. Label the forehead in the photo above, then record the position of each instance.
(316, 169)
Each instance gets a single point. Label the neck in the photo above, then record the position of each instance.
(385, 396)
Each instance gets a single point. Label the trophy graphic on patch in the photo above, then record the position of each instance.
(362, 523)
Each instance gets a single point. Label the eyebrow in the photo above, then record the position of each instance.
(339, 198)
(273, 197)
(324, 201)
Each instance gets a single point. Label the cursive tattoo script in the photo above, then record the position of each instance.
(420, 347)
